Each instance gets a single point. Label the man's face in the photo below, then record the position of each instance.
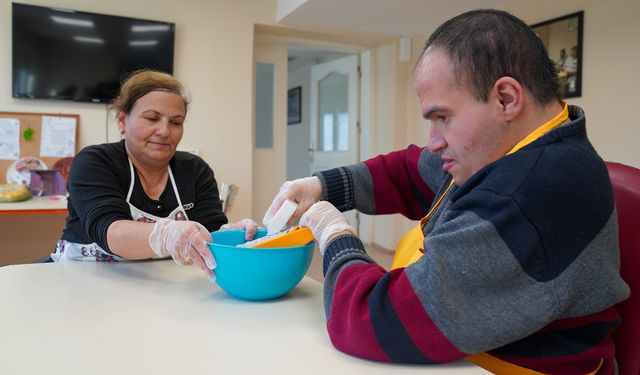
(467, 133)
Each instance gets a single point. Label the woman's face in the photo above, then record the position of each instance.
(154, 128)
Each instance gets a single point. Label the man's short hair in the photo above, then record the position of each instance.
(487, 44)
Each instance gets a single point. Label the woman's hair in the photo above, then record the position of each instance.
(142, 82)
(487, 44)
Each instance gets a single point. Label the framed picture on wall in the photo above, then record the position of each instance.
(562, 36)
(294, 106)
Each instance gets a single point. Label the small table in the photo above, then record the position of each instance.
(157, 318)
(36, 206)
(29, 229)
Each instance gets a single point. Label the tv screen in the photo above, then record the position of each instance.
(69, 55)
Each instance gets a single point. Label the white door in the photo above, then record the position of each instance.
(334, 116)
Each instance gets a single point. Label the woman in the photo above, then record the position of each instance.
(140, 198)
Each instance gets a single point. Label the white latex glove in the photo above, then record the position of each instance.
(326, 222)
(185, 242)
(248, 225)
(303, 191)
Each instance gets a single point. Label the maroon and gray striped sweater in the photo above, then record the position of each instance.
(521, 261)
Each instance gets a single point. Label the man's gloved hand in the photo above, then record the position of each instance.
(185, 242)
(326, 222)
(248, 225)
(303, 191)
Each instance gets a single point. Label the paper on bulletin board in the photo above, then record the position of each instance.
(58, 136)
(9, 138)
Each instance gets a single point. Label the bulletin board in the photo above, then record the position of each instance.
(31, 147)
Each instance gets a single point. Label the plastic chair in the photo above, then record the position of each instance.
(626, 189)
(227, 194)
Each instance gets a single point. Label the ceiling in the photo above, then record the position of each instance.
(410, 17)
(397, 18)
(302, 55)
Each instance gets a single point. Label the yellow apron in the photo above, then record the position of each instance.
(409, 250)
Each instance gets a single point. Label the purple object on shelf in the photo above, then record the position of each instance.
(47, 182)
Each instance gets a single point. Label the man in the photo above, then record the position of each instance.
(515, 262)
(561, 60)
(570, 67)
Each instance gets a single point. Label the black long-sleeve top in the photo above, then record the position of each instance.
(99, 182)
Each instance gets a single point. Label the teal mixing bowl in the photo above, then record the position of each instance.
(257, 273)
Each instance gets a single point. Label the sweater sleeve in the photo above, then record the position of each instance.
(385, 184)
(375, 314)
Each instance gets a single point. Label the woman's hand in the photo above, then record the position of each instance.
(248, 225)
(185, 242)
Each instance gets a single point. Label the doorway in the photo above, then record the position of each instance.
(300, 155)
(327, 135)
(300, 145)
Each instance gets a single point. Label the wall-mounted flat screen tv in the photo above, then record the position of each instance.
(69, 55)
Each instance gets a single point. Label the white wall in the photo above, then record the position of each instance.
(213, 56)
(390, 130)
(609, 85)
(269, 164)
(385, 127)
(609, 79)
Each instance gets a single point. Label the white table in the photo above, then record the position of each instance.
(159, 318)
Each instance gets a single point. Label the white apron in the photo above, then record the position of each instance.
(71, 251)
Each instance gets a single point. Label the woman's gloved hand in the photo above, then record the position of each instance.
(326, 222)
(303, 191)
(185, 242)
(248, 225)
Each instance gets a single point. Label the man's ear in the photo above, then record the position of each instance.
(509, 96)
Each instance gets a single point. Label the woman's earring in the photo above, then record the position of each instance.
(121, 130)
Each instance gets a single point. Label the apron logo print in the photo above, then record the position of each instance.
(187, 206)
(144, 219)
